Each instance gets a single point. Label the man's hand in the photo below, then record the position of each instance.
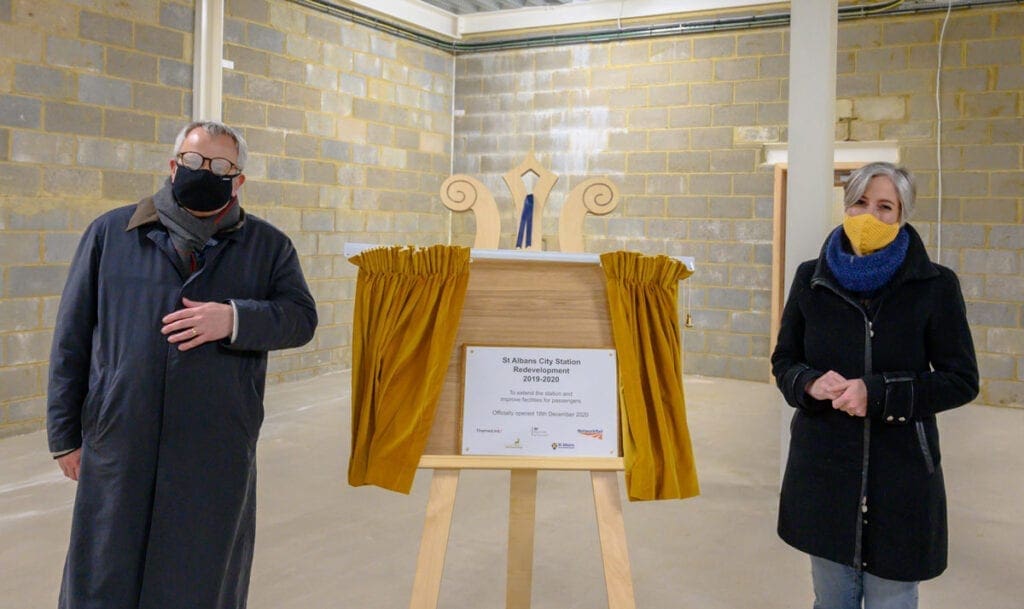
(198, 323)
(71, 463)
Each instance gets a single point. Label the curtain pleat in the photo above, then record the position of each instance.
(408, 304)
(642, 295)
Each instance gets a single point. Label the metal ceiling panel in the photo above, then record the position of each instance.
(469, 7)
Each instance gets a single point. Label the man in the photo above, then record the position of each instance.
(156, 384)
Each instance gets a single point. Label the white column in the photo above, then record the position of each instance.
(812, 102)
(207, 76)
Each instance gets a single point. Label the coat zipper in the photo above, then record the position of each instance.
(862, 517)
(869, 332)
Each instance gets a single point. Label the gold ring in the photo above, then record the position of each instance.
(194, 333)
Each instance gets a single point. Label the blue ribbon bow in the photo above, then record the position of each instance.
(526, 223)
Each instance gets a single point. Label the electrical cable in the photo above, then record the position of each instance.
(938, 137)
(451, 156)
(862, 11)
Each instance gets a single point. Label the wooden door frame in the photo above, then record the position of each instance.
(778, 296)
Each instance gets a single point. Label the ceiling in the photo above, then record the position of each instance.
(469, 7)
(458, 19)
(466, 20)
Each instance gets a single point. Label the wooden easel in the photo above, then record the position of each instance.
(522, 504)
(532, 301)
(528, 302)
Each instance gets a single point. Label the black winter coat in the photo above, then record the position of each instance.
(868, 492)
(164, 516)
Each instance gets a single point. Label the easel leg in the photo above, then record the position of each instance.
(430, 565)
(618, 577)
(522, 509)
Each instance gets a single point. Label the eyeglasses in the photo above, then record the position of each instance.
(218, 166)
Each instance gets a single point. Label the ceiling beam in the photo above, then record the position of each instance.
(437, 21)
(590, 12)
(415, 13)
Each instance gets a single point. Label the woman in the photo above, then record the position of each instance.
(873, 343)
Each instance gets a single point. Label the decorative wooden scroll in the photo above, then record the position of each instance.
(461, 193)
(597, 196)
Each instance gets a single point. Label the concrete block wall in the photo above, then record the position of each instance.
(981, 232)
(679, 124)
(86, 98)
(349, 132)
(351, 135)
(674, 122)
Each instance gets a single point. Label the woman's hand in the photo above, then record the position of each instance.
(848, 396)
(853, 400)
(828, 386)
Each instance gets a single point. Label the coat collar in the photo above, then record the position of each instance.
(145, 214)
(915, 267)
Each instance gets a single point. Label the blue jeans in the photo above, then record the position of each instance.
(839, 586)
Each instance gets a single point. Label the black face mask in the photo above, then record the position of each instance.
(200, 190)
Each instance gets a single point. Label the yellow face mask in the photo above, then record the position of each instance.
(868, 234)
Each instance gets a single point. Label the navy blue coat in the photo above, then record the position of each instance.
(164, 515)
(868, 492)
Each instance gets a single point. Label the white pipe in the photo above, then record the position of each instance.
(812, 107)
(207, 69)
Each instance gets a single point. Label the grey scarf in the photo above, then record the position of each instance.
(190, 234)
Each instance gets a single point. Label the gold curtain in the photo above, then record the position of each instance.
(642, 296)
(407, 307)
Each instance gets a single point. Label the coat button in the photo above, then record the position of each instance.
(903, 419)
(889, 418)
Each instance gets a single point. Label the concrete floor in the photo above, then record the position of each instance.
(323, 545)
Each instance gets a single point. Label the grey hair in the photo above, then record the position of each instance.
(215, 129)
(902, 179)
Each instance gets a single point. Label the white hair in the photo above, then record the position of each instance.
(215, 128)
(902, 179)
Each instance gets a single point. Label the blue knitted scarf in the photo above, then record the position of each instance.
(865, 274)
